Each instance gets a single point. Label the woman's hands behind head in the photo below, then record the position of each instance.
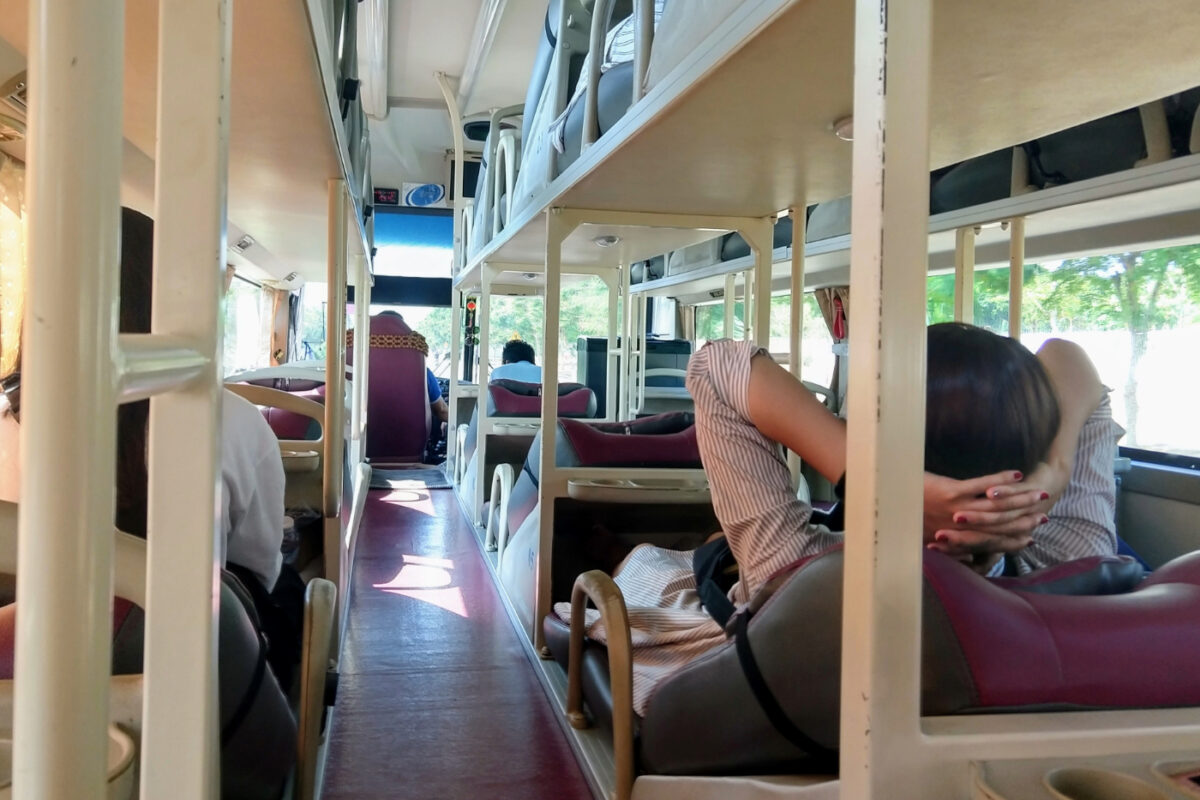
(980, 519)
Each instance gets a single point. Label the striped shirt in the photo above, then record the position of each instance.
(768, 528)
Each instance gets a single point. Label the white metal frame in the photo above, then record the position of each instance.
(552, 483)
(887, 749)
(63, 647)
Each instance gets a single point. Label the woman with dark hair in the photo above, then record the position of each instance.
(995, 413)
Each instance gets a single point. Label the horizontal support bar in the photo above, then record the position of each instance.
(151, 364)
(1082, 733)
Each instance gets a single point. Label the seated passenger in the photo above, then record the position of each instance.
(516, 363)
(252, 479)
(991, 411)
(437, 403)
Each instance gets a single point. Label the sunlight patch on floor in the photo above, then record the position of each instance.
(429, 580)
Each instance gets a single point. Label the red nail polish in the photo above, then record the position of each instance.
(1045, 495)
(959, 519)
(941, 537)
(1018, 476)
(1045, 519)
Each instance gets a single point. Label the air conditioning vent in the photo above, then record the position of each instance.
(15, 93)
(14, 104)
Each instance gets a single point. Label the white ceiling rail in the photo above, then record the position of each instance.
(373, 54)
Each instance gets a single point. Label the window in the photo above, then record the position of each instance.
(583, 311)
(247, 327)
(816, 350)
(991, 299)
(1136, 314)
(1138, 317)
(312, 322)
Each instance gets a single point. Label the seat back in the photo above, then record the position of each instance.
(664, 440)
(289, 424)
(398, 416)
(508, 398)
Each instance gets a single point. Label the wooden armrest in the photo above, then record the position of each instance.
(606, 596)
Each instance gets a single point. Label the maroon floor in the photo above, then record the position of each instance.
(437, 698)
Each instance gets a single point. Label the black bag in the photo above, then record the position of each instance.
(281, 615)
(715, 569)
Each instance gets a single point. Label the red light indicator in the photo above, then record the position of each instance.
(470, 305)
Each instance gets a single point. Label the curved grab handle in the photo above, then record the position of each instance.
(460, 453)
(606, 596)
(320, 601)
(266, 396)
(502, 483)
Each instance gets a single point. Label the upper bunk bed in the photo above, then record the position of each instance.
(287, 139)
(738, 122)
(1136, 209)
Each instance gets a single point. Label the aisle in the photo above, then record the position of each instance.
(438, 700)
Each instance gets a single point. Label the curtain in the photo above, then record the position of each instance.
(829, 299)
(825, 299)
(280, 316)
(12, 262)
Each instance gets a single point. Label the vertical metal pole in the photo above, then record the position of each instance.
(730, 300)
(556, 230)
(964, 275)
(881, 752)
(799, 219)
(637, 386)
(618, 286)
(627, 351)
(179, 742)
(1016, 274)
(460, 202)
(748, 284)
(362, 321)
(763, 255)
(335, 385)
(484, 311)
(456, 342)
(65, 548)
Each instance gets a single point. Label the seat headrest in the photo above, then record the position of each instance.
(664, 440)
(508, 398)
(1085, 576)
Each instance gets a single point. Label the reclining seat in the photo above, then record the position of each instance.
(397, 397)
(289, 424)
(1086, 635)
(506, 398)
(258, 730)
(661, 441)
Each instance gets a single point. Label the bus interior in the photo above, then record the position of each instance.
(407, 574)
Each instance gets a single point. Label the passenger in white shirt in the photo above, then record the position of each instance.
(516, 363)
(252, 478)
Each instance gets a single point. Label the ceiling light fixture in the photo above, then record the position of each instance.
(844, 129)
(607, 240)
